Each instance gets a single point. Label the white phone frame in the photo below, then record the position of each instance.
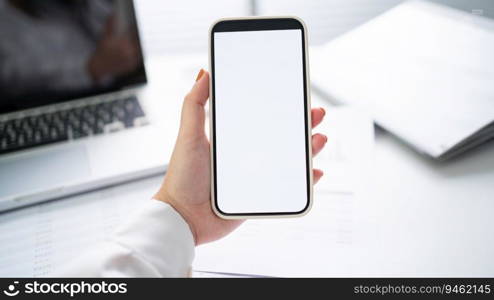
(308, 118)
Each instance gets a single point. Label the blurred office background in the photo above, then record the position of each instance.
(170, 27)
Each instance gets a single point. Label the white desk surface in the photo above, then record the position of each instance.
(428, 218)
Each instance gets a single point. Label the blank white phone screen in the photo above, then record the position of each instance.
(261, 159)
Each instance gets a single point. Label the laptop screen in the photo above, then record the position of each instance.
(60, 50)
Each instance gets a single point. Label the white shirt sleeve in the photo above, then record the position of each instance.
(154, 242)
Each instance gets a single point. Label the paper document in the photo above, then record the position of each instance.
(37, 240)
(329, 240)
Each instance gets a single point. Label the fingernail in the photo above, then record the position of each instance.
(323, 111)
(325, 138)
(199, 75)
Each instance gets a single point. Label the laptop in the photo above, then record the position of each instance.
(72, 115)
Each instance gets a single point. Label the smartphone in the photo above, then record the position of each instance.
(260, 121)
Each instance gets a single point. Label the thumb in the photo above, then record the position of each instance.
(193, 113)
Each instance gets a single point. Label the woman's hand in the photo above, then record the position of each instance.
(187, 184)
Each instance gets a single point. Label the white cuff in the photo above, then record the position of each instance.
(161, 237)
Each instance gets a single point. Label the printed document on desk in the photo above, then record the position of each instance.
(332, 239)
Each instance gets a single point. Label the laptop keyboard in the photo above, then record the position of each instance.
(69, 124)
